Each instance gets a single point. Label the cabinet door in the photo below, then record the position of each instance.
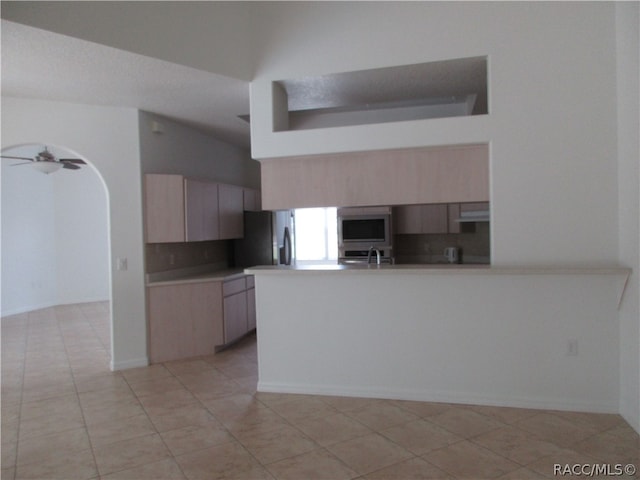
(410, 219)
(164, 208)
(194, 205)
(407, 219)
(206, 317)
(230, 207)
(201, 210)
(454, 214)
(252, 200)
(210, 212)
(474, 206)
(251, 309)
(184, 320)
(434, 218)
(235, 316)
(170, 333)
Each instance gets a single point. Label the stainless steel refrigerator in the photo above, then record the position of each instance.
(268, 239)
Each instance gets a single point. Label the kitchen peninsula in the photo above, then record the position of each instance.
(494, 335)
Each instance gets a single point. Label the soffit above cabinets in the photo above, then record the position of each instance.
(426, 87)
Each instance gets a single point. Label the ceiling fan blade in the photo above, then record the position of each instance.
(23, 163)
(73, 160)
(17, 158)
(70, 166)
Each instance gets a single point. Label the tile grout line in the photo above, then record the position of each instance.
(75, 387)
(19, 419)
(156, 432)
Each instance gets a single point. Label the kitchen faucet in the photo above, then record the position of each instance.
(371, 250)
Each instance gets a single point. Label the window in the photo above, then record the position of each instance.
(316, 235)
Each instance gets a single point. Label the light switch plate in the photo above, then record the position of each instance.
(121, 264)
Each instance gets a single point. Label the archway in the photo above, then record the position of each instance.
(55, 235)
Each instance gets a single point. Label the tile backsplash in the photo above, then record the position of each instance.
(161, 257)
(429, 248)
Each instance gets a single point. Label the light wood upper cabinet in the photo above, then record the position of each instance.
(252, 200)
(453, 210)
(201, 210)
(438, 218)
(458, 209)
(230, 209)
(179, 209)
(383, 177)
(420, 219)
(164, 208)
(474, 207)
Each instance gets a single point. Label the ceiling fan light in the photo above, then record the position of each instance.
(46, 166)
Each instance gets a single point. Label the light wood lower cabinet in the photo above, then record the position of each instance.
(235, 309)
(251, 303)
(235, 316)
(185, 320)
(192, 319)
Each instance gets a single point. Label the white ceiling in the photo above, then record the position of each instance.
(422, 83)
(41, 64)
(44, 65)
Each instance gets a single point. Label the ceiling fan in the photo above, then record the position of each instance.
(46, 162)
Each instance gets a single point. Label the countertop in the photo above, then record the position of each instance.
(193, 275)
(621, 273)
(441, 269)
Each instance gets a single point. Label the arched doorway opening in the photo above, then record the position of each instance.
(55, 241)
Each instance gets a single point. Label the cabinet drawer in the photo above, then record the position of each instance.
(251, 282)
(234, 286)
(235, 316)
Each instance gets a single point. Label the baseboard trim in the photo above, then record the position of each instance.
(36, 307)
(134, 363)
(465, 398)
(27, 309)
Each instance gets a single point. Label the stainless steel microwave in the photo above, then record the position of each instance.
(364, 231)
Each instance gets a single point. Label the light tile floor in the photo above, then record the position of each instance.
(66, 416)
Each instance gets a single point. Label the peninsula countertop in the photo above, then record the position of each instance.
(439, 269)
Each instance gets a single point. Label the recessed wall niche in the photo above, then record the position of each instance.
(448, 88)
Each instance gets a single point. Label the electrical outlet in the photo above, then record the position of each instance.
(122, 264)
(572, 347)
(172, 259)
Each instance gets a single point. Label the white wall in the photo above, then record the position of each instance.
(81, 236)
(108, 138)
(55, 236)
(562, 123)
(551, 125)
(28, 237)
(628, 86)
(477, 337)
(183, 150)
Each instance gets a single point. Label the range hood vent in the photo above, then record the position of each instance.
(474, 216)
